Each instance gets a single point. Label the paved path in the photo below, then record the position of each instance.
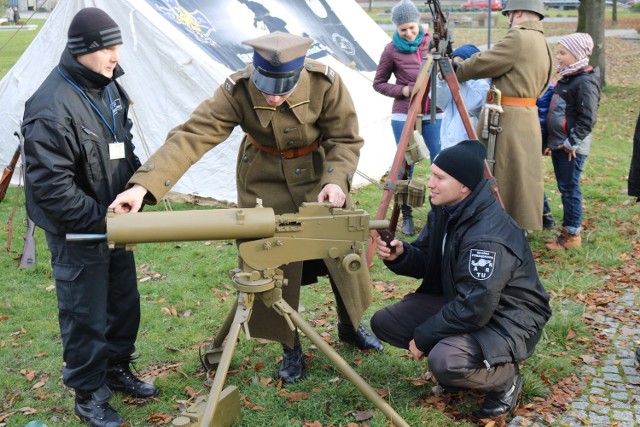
(610, 392)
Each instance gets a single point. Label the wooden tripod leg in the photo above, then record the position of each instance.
(415, 106)
(285, 310)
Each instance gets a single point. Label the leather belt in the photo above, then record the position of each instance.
(290, 153)
(518, 102)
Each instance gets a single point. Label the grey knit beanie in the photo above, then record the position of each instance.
(404, 12)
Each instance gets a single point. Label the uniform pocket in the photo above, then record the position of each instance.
(68, 294)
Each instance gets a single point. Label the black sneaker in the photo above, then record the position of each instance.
(292, 365)
(120, 378)
(502, 403)
(93, 407)
(360, 338)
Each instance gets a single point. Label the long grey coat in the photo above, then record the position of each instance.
(320, 105)
(519, 65)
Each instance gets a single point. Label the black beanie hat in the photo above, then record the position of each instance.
(464, 161)
(92, 30)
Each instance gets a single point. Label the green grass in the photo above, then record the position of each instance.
(12, 44)
(185, 295)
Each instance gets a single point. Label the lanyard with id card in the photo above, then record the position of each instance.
(116, 149)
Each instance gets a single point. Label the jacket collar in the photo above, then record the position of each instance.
(84, 77)
(298, 102)
(480, 197)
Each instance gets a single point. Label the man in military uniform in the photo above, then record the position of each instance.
(520, 66)
(301, 145)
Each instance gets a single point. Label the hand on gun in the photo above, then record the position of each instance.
(333, 194)
(129, 201)
(388, 248)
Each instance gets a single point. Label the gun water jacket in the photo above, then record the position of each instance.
(486, 272)
(319, 107)
(70, 179)
(520, 66)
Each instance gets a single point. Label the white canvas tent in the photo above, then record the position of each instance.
(177, 52)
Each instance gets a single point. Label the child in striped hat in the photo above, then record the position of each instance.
(572, 115)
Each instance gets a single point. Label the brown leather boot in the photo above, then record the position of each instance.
(564, 241)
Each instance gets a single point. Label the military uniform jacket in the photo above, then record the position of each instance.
(319, 107)
(486, 272)
(520, 66)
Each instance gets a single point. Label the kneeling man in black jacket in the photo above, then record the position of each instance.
(480, 309)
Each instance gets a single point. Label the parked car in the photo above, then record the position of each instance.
(495, 5)
(562, 4)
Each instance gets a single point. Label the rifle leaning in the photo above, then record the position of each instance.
(28, 256)
(8, 173)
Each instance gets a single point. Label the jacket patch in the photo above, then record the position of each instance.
(481, 264)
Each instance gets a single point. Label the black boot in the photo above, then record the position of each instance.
(292, 365)
(120, 378)
(502, 403)
(548, 223)
(360, 338)
(638, 355)
(93, 407)
(407, 221)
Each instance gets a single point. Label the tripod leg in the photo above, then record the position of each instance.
(221, 376)
(244, 306)
(212, 351)
(285, 310)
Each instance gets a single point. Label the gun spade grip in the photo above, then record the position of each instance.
(387, 237)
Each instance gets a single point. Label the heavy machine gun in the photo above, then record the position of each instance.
(266, 242)
(438, 62)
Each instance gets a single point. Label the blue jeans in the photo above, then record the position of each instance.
(568, 177)
(430, 133)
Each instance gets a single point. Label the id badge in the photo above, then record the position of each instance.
(116, 150)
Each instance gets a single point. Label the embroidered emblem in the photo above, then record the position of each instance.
(481, 264)
(275, 59)
(116, 106)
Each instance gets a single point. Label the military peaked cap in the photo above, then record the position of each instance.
(278, 59)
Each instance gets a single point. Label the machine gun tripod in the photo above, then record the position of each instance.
(317, 231)
(437, 63)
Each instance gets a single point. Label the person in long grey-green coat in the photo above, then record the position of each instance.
(520, 67)
(301, 145)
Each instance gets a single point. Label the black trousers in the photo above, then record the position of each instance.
(98, 308)
(456, 361)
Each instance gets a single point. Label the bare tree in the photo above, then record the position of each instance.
(591, 21)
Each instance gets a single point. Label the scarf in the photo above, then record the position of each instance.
(573, 68)
(405, 46)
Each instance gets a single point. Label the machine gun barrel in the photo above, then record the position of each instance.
(313, 221)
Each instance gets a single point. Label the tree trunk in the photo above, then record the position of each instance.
(591, 20)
